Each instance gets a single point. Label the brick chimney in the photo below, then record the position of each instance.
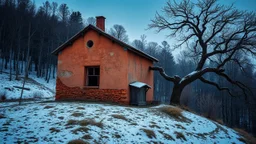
(100, 22)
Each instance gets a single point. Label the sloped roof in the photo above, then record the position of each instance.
(82, 32)
(139, 84)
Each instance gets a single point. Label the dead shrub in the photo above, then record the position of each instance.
(180, 136)
(117, 116)
(77, 141)
(77, 114)
(151, 134)
(246, 137)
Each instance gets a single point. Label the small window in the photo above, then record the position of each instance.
(93, 76)
(89, 43)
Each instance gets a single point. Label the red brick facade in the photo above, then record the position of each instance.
(64, 92)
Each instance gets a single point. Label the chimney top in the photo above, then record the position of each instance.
(100, 17)
(100, 22)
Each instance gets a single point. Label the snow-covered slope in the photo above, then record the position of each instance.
(39, 88)
(61, 122)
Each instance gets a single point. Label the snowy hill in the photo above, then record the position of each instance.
(39, 88)
(61, 122)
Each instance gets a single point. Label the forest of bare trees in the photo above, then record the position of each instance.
(31, 33)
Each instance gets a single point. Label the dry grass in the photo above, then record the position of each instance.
(2, 95)
(186, 108)
(117, 116)
(180, 126)
(48, 107)
(77, 141)
(154, 126)
(85, 122)
(2, 116)
(133, 123)
(72, 122)
(180, 136)
(54, 130)
(166, 136)
(174, 112)
(220, 121)
(61, 117)
(117, 135)
(77, 114)
(151, 134)
(80, 108)
(87, 137)
(247, 138)
(92, 122)
(80, 129)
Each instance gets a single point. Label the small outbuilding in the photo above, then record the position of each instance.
(138, 91)
(95, 66)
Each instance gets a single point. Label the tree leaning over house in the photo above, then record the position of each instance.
(213, 33)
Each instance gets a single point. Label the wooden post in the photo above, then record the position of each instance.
(25, 78)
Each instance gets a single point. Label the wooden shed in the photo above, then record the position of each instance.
(138, 92)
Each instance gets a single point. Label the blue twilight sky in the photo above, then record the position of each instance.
(134, 15)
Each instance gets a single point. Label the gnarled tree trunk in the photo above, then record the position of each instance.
(176, 94)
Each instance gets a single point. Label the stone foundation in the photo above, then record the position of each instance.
(64, 92)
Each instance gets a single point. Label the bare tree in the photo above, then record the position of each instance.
(140, 44)
(119, 32)
(151, 48)
(63, 13)
(90, 20)
(212, 32)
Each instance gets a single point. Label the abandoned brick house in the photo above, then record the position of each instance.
(93, 65)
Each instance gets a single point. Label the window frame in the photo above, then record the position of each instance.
(94, 74)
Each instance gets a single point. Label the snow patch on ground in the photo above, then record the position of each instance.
(104, 123)
(38, 87)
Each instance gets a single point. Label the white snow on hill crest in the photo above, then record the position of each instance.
(61, 122)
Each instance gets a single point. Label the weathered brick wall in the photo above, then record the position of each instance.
(64, 92)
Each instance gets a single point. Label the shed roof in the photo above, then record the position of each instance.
(139, 84)
(89, 27)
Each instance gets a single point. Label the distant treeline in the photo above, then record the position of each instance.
(30, 32)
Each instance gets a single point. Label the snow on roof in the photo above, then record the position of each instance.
(139, 84)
